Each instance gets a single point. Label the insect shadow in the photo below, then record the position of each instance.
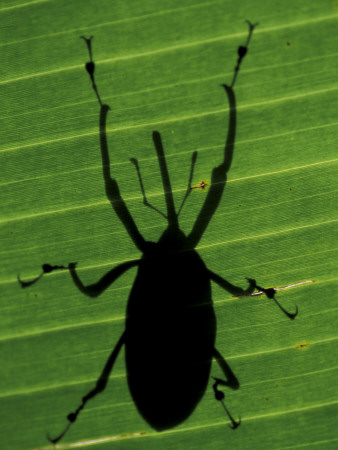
(170, 328)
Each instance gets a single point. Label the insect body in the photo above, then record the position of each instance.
(170, 335)
(170, 329)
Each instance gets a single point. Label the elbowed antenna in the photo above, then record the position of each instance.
(145, 200)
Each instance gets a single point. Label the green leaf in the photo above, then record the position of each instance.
(159, 65)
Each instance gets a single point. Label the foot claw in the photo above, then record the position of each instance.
(251, 281)
(25, 284)
(53, 441)
(235, 424)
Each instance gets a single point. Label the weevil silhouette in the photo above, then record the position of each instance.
(170, 328)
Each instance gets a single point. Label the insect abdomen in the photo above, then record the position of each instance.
(170, 337)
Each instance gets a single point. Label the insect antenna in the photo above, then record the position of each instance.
(145, 201)
(90, 66)
(193, 162)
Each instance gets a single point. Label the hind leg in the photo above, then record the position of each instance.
(100, 386)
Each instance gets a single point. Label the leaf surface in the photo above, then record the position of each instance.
(159, 65)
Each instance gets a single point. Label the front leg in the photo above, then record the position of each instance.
(219, 174)
(218, 177)
(112, 189)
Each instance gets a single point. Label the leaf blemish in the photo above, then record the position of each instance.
(128, 435)
(302, 345)
(202, 185)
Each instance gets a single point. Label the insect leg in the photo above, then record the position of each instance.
(270, 293)
(219, 395)
(145, 201)
(90, 66)
(218, 177)
(94, 290)
(219, 174)
(235, 291)
(231, 381)
(291, 316)
(46, 268)
(112, 189)
(100, 386)
(242, 51)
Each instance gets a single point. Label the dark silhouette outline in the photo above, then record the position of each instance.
(170, 323)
